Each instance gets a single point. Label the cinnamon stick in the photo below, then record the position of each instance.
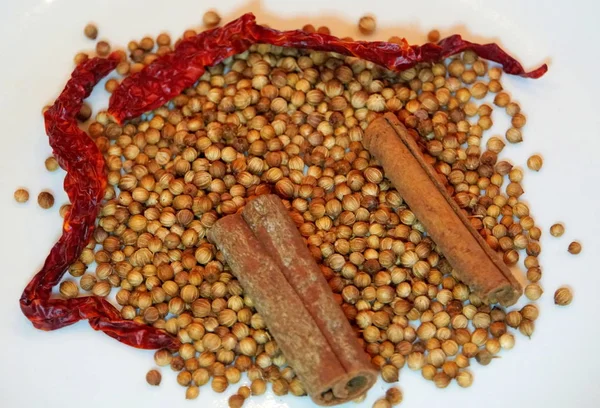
(269, 221)
(290, 320)
(475, 263)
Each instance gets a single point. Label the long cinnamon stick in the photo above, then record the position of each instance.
(297, 333)
(269, 221)
(476, 264)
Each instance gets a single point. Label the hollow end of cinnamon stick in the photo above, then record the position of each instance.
(475, 263)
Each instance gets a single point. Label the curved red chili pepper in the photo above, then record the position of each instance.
(170, 74)
(85, 183)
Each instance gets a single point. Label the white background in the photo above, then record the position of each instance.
(558, 367)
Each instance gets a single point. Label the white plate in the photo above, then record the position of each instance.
(558, 367)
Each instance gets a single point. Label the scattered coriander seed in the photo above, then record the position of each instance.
(557, 230)
(84, 113)
(192, 392)
(153, 377)
(433, 36)
(236, 401)
(563, 296)
(535, 162)
(102, 48)
(258, 387)
(211, 19)
(533, 291)
(21, 195)
(513, 135)
(64, 210)
(527, 327)
(382, 403)
(574, 248)
(90, 31)
(464, 379)
(163, 357)
(51, 163)
(68, 289)
(45, 200)
(484, 357)
(507, 341)
(441, 380)
(394, 396)
(367, 25)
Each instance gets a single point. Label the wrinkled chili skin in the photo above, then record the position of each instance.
(170, 74)
(85, 183)
(148, 89)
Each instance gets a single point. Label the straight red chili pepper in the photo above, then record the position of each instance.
(169, 75)
(85, 183)
(148, 89)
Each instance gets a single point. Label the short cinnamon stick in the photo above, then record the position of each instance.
(288, 318)
(271, 224)
(476, 264)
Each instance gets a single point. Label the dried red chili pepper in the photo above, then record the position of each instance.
(169, 75)
(146, 90)
(85, 183)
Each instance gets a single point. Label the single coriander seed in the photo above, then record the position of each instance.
(433, 36)
(45, 200)
(535, 162)
(382, 403)
(91, 31)
(574, 247)
(21, 195)
(563, 296)
(464, 379)
(367, 25)
(153, 377)
(394, 396)
(68, 289)
(557, 230)
(51, 164)
(211, 19)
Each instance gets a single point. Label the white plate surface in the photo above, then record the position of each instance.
(77, 367)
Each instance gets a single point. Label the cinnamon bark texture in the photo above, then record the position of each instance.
(269, 221)
(325, 368)
(476, 264)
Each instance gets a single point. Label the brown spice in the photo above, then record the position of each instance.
(153, 377)
(45, 200)
(21, 195)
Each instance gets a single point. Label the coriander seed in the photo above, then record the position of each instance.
(464, 379)
(367, 25)
(192, 392)
(236, 401)
(557, 230)
(68, 289)
(433, 36)
(394, 396)
(533, 291)
(102, 48)
(21, 195)
(90, 31)
(574, 248)
(382, 403)
(211, 19)
(153, 377)
(45, 200)
(535, 162)
(563, 296)
(51, 164)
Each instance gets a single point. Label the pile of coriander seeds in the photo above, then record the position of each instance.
(291, 122)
